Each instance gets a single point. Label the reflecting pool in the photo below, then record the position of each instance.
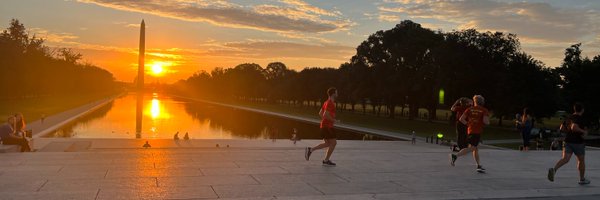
(164, 115)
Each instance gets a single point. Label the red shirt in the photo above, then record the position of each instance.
(328, 106)
(474, 117)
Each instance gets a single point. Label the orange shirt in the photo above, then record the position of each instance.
(475, 119)
(328, 106)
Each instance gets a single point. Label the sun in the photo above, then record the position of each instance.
(157, 68)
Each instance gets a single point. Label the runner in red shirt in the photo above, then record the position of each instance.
(475, 118)
(327, 114)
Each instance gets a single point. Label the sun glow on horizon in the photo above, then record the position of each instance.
(157, 68)
(160, 67)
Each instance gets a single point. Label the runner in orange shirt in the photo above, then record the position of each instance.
(475, 118)
(327, 114)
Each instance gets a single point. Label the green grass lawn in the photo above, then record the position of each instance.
(33, 108)
(399, 124)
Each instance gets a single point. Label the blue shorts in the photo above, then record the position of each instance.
(577, 149)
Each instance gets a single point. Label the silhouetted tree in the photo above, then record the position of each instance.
(407, 66)
(580, 82)
(29, 68)
(277, 77)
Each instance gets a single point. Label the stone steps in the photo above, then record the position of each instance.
(5, 148)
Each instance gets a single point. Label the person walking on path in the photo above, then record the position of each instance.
(574, 144)
(475, 118)
(414, 137)
(327, 114)
(525, 125)
(459, 108)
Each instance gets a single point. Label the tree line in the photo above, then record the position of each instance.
(31, 69)
(413, 67)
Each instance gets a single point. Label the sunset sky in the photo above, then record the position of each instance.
(186, 36)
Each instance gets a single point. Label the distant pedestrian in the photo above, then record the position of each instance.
(459, 108)
(525, 126)
(295, 137)
(327, 114)
(518, 122)
(186, 136)
(414, 138)
(42, 118)
(176, 136)
(574, 144)
(475, 118)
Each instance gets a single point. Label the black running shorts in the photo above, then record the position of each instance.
(328, 133)
(473, 139)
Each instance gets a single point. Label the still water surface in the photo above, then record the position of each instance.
(164, 115)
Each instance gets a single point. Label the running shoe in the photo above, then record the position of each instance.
(480, 169)
(584, 181)
(452, 159)
(307, 153)
(551, 173)
(328, 163)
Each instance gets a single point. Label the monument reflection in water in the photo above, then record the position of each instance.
(164, 115)
(139, 108)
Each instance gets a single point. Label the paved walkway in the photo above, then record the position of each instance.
(262, 169)
(53, 122)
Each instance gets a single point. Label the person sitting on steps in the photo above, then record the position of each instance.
(9, 137)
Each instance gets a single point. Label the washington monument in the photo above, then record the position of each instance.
(140, 82)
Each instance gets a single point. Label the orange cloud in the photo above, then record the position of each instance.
(51, 36)
(389, 18)
(264, 18)
(303, 6)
